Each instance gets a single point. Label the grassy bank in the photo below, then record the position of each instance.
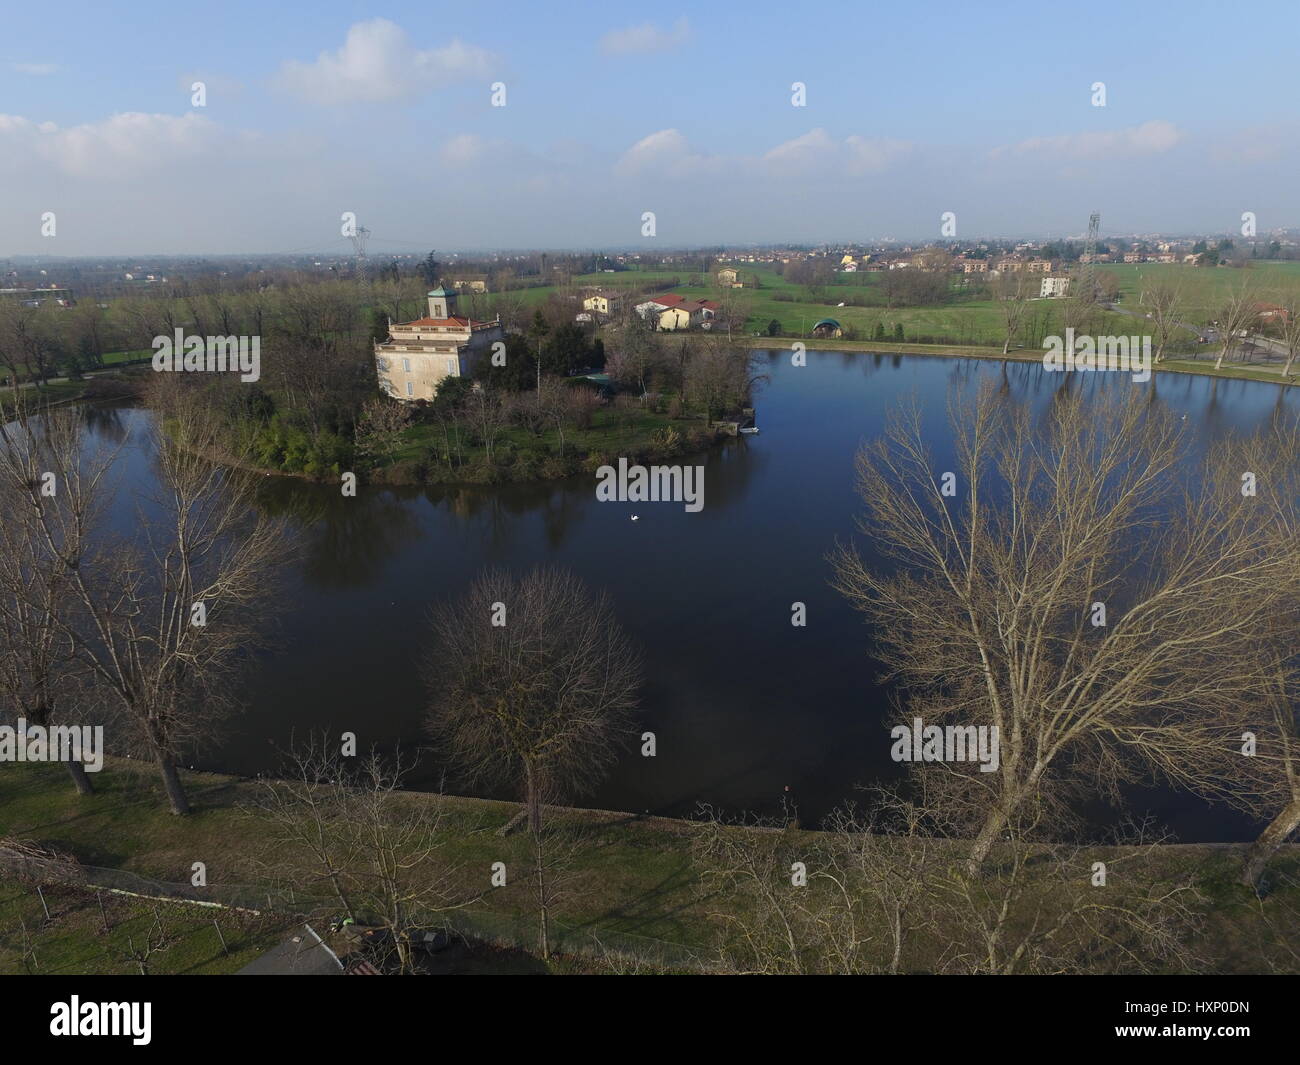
(632, 883)
(1203, 366)
(522, 455)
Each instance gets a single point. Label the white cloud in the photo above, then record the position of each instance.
(35, 69)
(817, 151)
(379, 62)
(870, 155)
(127, 144)
(666, 154)
(647, 37)
(466, 149)
(1150, 138)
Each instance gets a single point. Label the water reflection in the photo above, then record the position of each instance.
(742, 702)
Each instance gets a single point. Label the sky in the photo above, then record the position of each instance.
(909, 111)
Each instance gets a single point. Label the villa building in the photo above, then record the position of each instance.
(417, 355)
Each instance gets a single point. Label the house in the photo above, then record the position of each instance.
(603, 303)
(471, 283)
(1053, 287)
(658, 304)
(1271, 312)
(418, 355)
(684, 315)
(728, 276)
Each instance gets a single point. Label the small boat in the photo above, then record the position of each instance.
(750, 429)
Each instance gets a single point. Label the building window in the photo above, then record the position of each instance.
(410, 389)
(453, 366)
(406, 365)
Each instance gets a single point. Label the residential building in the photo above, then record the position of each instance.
(1054, 287)
(606, 303)
(471, 283)
(658, 304)
(683, 315)
(417, 355)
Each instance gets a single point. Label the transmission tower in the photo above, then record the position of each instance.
(359, 239)
(1088, 276)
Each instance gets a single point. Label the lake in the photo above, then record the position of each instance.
(742, 702)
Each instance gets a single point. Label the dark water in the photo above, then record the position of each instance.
(742, 702)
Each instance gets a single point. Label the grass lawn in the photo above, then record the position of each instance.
(74, 939)
(632, 884)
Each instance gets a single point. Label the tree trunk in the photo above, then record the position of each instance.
(532, 800)
(1269, 841)
(80, 778)
(541, 897)
(172, 783)
(988, 834)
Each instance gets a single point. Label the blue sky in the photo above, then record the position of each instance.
(613, 109)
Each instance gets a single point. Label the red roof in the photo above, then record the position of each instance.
(454, 320)
(671, 299)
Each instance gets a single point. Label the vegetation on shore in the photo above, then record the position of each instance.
(637, 893)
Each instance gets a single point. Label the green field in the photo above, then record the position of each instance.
(1204, 288)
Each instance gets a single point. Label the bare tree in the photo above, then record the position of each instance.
(305, 811)
(1096, 602)
(881, 892)
(541, 700)
(40, 677)
(1290, 329)
(380, 429)
(158, 935)
(533, 683)
(1011, 293)
(1164, 303)
(164, 621)
(1237, 315)
(402, 875)
(1273, 783)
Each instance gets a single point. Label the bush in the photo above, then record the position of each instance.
(595, 460)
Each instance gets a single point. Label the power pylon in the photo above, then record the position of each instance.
(1088, 276)
(359, 239)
